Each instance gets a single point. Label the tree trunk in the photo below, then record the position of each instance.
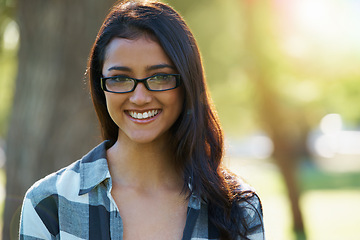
(276, 121)
(52, 122)
(278, 124)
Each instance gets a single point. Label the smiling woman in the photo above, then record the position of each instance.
(145, 59)
(158, 174)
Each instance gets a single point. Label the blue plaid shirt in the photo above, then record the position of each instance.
(76, 203)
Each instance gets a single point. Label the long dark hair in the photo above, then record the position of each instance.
(197, 135)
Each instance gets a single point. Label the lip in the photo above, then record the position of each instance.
(142, 121)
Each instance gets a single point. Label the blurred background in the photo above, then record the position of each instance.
(284, 76)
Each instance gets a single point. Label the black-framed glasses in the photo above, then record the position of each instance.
(123, 84)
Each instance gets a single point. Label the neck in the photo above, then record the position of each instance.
(143, 166)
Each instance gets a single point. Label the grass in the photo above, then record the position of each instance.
(329, 203)
(332, 214)
(314, 179)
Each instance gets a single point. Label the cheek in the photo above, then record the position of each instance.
(110, 110)
(113, 105)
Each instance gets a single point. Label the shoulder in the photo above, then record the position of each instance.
(246, 194)
(59, 195)
(250, 209)
(39, 213)
(51, 185)
(68, 182)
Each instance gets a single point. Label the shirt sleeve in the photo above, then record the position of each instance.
(32, 226)
(254, 218)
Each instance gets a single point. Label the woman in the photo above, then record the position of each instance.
(158, 173)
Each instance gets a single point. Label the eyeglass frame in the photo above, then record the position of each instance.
(143, 80)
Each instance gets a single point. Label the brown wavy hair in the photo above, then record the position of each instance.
(197, 135)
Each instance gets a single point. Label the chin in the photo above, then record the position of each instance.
(143, 140)
(146, 139)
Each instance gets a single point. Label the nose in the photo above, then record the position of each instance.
(140, 96)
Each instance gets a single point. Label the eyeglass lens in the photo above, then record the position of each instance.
(126, 84)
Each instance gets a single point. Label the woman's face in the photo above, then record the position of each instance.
(141, 58)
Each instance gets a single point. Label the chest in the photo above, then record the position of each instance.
(161, 216)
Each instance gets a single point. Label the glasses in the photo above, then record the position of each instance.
(123, 84)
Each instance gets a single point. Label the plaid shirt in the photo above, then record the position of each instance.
(76, 203)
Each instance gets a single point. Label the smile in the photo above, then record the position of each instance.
(143, 115)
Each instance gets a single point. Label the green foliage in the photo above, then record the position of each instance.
(8, 64)
(343, 96)
(320, 78)
(313, 178)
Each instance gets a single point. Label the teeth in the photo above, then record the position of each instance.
(143, 115)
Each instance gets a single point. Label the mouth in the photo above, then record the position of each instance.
(142, 115)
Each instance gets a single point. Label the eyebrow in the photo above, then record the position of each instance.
(150, 68)
(160, 66)
(120, 68)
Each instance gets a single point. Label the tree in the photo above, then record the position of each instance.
(283, 125)
(52, 122)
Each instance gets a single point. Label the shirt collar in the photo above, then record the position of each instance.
(94, 168)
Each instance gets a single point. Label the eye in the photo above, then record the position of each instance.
(119, 84)
(162, 82)
(161, 78)
(118, 79)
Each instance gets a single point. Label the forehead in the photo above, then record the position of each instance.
(131, 44)
(134, 53)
